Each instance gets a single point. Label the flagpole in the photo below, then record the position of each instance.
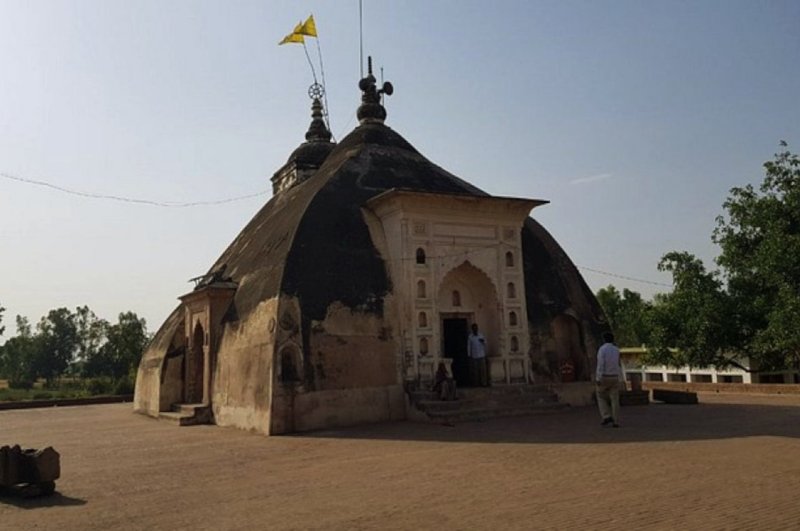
(313, 71)
(325, 93)
(361, 37)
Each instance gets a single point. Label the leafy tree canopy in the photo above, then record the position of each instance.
(77, 343)
(119, 355)
(751, 307)
(759, 236)
(626, 313)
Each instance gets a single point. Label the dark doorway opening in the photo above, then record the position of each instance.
(455, 332)
(194, 368)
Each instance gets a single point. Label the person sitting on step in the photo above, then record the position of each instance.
(443, 385)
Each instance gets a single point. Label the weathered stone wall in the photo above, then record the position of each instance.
(336, 372)
(241, 384)
(171, 382)
(348, 407)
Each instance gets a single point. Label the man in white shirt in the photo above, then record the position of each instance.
(476, 351)
(608, 377)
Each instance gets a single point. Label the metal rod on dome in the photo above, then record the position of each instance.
(313, 71)
(324, 87)
(361, 37)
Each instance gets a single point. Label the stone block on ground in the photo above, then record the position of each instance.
(634, 398)
(674, 397)
(29, 472)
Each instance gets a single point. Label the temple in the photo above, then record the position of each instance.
(361, 274)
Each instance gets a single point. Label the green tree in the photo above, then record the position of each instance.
(91, 331)
(759, 236)
(627, 315)
(17, 356)
(120, 354)
(693, 324)
(56, 344)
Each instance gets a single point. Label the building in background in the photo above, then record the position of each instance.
(636, 369)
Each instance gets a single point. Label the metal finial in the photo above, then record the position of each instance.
(316, 91)
(317, 130)
(371, 108)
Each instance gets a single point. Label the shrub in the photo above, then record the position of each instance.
(42, 395)
(98, 386)
(124, 386)
(22, 383)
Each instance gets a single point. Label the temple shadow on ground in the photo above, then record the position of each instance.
(54, 500)
(652, 423)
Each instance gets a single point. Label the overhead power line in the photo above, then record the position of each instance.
(175, 204)
(623, 277)
(92, 195)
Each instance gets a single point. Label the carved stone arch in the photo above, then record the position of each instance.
(478, 299)
(463, 267)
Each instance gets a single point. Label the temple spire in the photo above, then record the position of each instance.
(371, 109)
(317, 130)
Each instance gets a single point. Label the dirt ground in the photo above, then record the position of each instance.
(732, 462)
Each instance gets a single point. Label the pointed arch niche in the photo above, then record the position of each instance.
(477, 299)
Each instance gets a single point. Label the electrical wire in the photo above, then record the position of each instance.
(623, 277)
(171, 204)
(168, 204)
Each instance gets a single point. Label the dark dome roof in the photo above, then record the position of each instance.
(311, 154)
(311, 241)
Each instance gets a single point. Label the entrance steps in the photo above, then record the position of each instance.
(187, 414)
(483, 403)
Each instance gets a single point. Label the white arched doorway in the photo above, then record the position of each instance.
(465, 296)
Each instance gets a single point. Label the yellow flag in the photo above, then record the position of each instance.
(308, 27)
(292, 37)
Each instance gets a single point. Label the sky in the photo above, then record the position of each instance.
(634, 119)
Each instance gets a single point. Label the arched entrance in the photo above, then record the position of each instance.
(195, 362)
(466, 295)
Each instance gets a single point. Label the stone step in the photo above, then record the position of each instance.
(674, 397)
(486, 413)
(187, 409)
(494, 402)
(179, 419)
(483, 403)
(483, 393)
(187, 414)
(508, 389)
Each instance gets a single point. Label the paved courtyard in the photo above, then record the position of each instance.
(733, 462)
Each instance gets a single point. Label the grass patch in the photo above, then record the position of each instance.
(67, 389)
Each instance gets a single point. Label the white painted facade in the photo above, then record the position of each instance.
(634, 368)
(455, 257)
